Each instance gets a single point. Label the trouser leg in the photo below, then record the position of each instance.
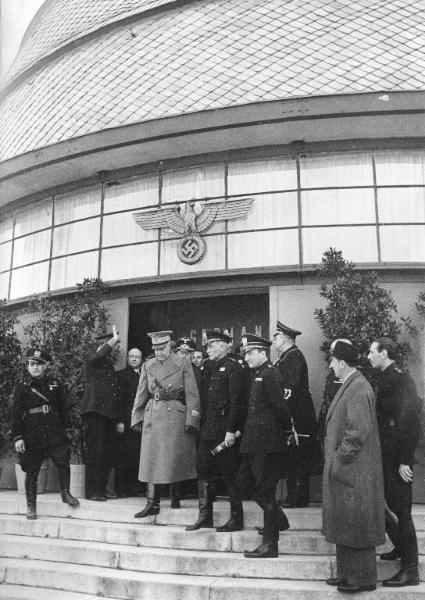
(235, 522)
(60, 457)
(359, 565)
(33, 465)
(175, 494)
(94, 442)
(153, 502)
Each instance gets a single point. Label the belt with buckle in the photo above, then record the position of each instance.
(45, 409)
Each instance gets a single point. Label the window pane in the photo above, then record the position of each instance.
(77, 205)
(68, 271)
(29, 280)
(129, 262)
(269, 210)
(338, 206)
(402, 205)
(76, 237)
(357, 243)
(336, 170)
(196, 182)
(4, 285)
(121, 228)
(401, 243)
(31, 248)
(248, 177)
(5, 255)
(132, 194)
(400, 168)
(265, 248)
(213, 259)
(6, 230)
(37, 216)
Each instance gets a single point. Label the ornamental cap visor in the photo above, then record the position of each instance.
(186, 344)
(38, 356)
(281, 328)
(252, 342)
(160, 338)
(217, 336)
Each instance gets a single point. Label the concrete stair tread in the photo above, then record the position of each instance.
(26, 592)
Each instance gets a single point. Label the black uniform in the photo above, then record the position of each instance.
(264, 445)
(293, 370)
(399, 429)
(41, 418)
(99, 409)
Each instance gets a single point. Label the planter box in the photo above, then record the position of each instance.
(77, 487)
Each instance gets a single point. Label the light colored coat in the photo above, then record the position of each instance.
(353, 488)
(168, 452)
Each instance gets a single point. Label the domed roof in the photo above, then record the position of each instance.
(171, 58)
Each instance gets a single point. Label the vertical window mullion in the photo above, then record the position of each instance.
(99, 258)
(300, 237)
(375, 192)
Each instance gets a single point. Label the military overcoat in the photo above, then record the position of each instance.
(168, 452)
(353, 487)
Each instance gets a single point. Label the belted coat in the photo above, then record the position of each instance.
(353, 487)
(168, 452)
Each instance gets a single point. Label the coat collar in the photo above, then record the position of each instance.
(167, 367)
(285, 354)
(341, 391)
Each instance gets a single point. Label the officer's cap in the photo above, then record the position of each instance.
(252, 342)
(281, 328)
(186, 343)
(39, 356)
(344, 351)
(160, 338)
(213, 335)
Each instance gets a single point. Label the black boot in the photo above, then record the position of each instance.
(31, 494)
(69, 498)
(269, 547)
(152, 505)
(64, 475)
(205, 518)
(303, 491)
(235, 523)
(282, 521)
(175, 494)
(292, 489)
(405, 577)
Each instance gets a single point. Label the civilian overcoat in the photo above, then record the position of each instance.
(101, 388)
(168, 452)
(353, 488)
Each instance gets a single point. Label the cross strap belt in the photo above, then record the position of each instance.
(45, 409)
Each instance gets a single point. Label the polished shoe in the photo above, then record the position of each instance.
(403, 578)
(31, 512)
(264, 550)
(203, 521)
(349, 588)
(233, 524)
(69, 498)
(112, 496)
(336, 581)
(148, 511)
(392, 555)
(97, 498)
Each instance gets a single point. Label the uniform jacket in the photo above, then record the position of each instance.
(128, 443)
(101, 389)
(41, 429)
(398, 416)
(223, 399)
(168, 452)
(294, 373)
(353, 488)
(268, 417)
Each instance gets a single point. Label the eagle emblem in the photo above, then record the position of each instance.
(191, 219)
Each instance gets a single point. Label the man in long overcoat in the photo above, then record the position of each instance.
(167, 403)
(353, 487)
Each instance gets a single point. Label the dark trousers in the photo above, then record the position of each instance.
(356, 565)
(32, 460)
(398, 495)
(226, 463)
(126, 481)
(298, 476)
(99, 437)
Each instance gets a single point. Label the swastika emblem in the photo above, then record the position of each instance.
(191, 249)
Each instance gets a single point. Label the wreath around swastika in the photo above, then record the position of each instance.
(191, 249)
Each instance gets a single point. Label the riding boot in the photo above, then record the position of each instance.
(235, 523)
(31, 494)
(64, 476)
(292, 489)
(175, 494)
(205, 518)
(303, 491)
(153, 502)
(269, 546)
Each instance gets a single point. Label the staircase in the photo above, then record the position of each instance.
(99, 550)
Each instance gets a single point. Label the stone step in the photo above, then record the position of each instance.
(126, 585)
(25, 592)
(177, 561)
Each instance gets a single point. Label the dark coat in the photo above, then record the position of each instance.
(268, 420)
(40, 430)
(128, 443)
(223, 399)
(101, 388)
(353, 486)
(398, 412)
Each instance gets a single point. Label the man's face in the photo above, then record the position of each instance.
(183, 353)
(197, 358)
(216, 350)
(255, 358)
(134, 358)
(36, 369)
(376, 358)
(279, 340)
(162, 352)
(337, 366)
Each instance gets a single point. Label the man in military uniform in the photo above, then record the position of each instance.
(41, 428)
(398, 414)
(99, 410)
(223, 411)
(167, 404)
(264, 443)
(293, 370)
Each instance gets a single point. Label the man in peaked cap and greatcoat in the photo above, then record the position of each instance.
(167, 404)
(293, 370)
(41, 428)
(223, 415)
(264, 442)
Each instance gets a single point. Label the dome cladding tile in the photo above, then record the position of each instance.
(256, 50)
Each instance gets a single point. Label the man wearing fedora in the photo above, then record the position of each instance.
(293, 370)
(167, 407)
(41, 427)
(100, 410)
(264, 442)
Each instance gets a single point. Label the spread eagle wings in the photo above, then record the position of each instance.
(168, 218)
